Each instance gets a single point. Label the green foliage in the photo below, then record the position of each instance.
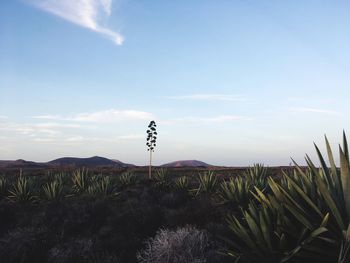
(3, 186)
(126, 179)
(161, 178)
(21, 191)
(102, 187)
(236, 191)
(53, 191)
(312, 210)
(268, 234)
(257, 176)
(62, 177)
(182, 183)
(161, 175)
(81, 181)
(207, 182)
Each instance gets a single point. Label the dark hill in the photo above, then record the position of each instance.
(87, 162)
(186, 163)
(21, 164)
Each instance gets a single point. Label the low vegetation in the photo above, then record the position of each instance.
(301, 214)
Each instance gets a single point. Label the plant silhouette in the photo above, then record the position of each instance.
(151, 144)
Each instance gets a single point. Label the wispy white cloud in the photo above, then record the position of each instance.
(209, 97)
(208, 120)
(28, 129)
(131, 137)
(314, 110)
(45, 130)
(104, 139)
(111, 115)
(58, 125)
(44, 140)
(48, 117)
(78, 139)
(85, 13)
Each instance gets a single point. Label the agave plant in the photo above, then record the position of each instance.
(306, 197)
(207, 182)
(126, 179)
(102, 187)
(182, 183)
(53, 191)
(62, 177)
(161, 178)
(257, 176)
(80, 181)
(161, 175)
(3, 186)
(236, 191)
(267, 234)
(21, 191)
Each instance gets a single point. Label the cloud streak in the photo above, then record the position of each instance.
(314, 110)
(209, 97)
(85, 13)
(111, 115)
(221, 119)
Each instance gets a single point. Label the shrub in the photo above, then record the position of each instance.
(126, 179)
(53, 190)
(181, 183)
(257, 176)
(78, 250)
(207, 182)
(235, 192)
(306, 214)
(183, 245)
(161, 178)
(102, 187)
(21, 191)
(80, 181)
(3, 186)
(24, 245)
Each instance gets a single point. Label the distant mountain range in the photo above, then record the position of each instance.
(95, 161)
(88, 162)
(186, 163)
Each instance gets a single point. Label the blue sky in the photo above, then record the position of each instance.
(228, 82)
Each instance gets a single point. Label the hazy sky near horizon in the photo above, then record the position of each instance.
(228, 82)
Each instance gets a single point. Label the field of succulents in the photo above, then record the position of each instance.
(301, 214)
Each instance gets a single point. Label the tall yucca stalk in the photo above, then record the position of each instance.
(151, 144)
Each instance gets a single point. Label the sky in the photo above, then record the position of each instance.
(228, 82)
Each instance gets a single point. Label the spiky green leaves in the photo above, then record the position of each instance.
(207, 182)
(309, 208)
(21, 191)
(53, 191)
